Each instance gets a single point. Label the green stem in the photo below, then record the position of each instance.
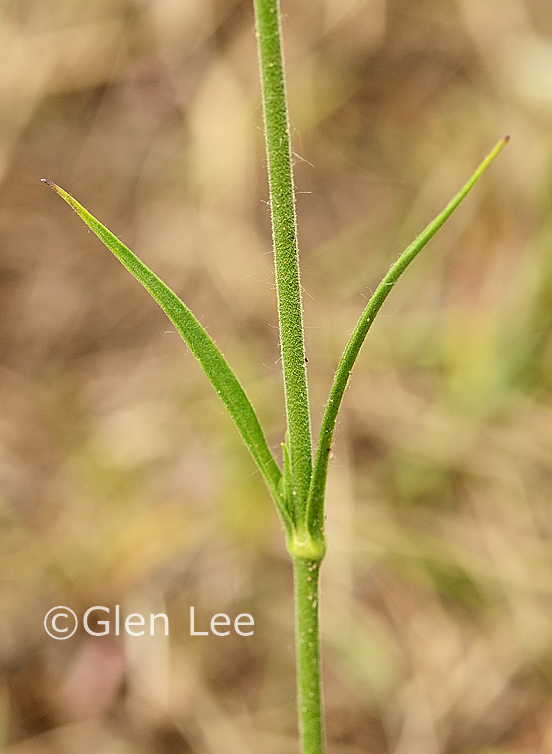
(305, 552)
(306, 573)
(284, 234)
(315, 508)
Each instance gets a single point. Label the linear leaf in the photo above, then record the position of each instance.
(200, 344)
(315, 513)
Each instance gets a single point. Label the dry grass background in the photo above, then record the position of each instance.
(121, 478)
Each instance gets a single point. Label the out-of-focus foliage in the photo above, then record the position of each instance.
(121, 479)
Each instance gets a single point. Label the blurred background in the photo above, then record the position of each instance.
(122, 481)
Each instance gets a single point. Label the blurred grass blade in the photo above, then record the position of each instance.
(200, 344)
(315, 513)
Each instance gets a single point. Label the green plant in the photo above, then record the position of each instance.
(298, 488)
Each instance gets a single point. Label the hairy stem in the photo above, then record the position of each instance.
(311, 727)
(284, 234)
(306, 554)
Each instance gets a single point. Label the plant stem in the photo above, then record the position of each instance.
(298, 449)
(284, 235)
(311, 728)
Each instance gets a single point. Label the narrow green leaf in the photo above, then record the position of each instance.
(286, 481)
(200, 344)
(315, 512)
(287, 512)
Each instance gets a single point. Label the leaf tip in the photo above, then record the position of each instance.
(51, 184)
(56, 188)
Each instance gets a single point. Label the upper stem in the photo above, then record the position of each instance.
(284, 234)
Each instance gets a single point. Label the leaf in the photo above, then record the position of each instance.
(200, 344)
(315, 504)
